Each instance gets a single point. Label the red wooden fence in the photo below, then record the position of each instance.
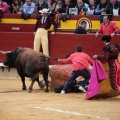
(59, 44)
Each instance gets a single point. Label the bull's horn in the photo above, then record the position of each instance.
(5, 52)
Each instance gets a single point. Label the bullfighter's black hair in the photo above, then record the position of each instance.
(79, 48)
(106, 38)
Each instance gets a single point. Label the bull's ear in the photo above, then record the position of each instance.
(9, 54)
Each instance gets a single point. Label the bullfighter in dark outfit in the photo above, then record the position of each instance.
(110, 55)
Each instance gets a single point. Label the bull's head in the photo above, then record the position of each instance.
(9, 59)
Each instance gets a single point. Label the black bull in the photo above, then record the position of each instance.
(28, 64)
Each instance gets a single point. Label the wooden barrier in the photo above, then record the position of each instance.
(8, 72)
(59, 44)
(11, 22)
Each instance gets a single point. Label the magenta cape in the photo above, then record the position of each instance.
(98, 74)
(118, 75)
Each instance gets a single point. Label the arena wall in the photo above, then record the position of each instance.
(59, 44)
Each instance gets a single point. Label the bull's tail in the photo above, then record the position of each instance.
(51, 57)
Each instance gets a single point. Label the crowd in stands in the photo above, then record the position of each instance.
(83, 7)
(63, 8)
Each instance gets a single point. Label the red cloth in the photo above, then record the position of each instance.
(59, 74)
(80, 60)
(98, 74)
(61, 71)
(109, 28)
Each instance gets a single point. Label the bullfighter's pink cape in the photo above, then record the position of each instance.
(98, 74)
(118, 75)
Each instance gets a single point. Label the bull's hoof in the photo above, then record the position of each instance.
(41, 87)
(29, 90)
(24, 88)
(46, 90)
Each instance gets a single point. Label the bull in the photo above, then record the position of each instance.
(28, 63)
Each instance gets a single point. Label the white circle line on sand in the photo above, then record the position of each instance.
(72, 113)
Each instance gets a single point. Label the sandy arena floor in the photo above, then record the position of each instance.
(16, 104)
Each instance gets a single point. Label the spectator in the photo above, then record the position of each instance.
(35, 1)
(110, 54)
(107, 27)
(97, 1)
(43, 23)
(17, 6)
(4, 7)
(74, 2)
(59, 5)
(51, 5)
(81, 63)
(101, 8)
(82, 7)
(40, 4)
(22, 1)
(66, 6)
(113, 8)
(91, 8)
(29, 7)
(46, 1)
(87, 1)
(81, 29)
(9, 2)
